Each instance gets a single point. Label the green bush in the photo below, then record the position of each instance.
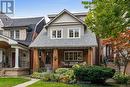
(94, 74)
(121, 78)
(36, 75)
(61, 70)
(66, 75)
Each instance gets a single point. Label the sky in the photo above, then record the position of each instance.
(36, 8)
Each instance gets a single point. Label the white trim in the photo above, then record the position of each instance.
(56, 33)
(73, 56)
(73, 33)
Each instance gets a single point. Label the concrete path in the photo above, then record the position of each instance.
(27, 83)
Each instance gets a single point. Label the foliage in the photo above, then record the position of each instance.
(45, 75)
(120, 46)
(121, 78)
(94, 74)
(107, 18)
(65, 75)
(61, 70)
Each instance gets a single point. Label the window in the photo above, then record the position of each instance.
(1, 31)
(17, 34)
(74, 33)
(56, 34)
(73, 56)
(14, 34)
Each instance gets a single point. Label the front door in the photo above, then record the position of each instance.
(48, 60)
(13, 59)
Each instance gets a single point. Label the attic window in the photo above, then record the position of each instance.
(74, 33)
(56, 34)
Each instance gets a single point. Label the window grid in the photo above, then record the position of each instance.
(56, 34)
(74, 33)
(73, 56)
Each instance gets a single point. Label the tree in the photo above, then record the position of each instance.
(107, 18)
(121, 47)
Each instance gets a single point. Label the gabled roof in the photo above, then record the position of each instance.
(21, 22)
(42, 40)
(64, 11)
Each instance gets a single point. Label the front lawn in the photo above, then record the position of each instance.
(9, 82)
(55, 84)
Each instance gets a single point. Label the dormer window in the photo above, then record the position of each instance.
(74, 33)
(14, 34)
(56, 34)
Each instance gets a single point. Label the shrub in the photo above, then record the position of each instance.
(94, 74)
(121, 78)
(66, 75)
(44, 76)
(36, 75)
(61, 70)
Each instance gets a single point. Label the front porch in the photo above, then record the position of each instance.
(62, 57)
(14, 57)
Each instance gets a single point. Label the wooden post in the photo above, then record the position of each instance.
(55, 59)
(90, 56)
(35, 60)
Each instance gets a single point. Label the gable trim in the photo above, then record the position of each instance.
(61, 14)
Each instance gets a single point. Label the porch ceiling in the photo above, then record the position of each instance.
(4, 45)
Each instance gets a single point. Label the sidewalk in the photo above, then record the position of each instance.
(27, 83)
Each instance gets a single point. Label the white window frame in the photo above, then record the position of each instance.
(74, 32)
(14, 36)
(73, 56)
(56, 33)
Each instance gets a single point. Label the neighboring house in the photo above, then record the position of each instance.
(15, 38)
(64, 41)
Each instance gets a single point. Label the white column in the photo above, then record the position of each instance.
(16, 58)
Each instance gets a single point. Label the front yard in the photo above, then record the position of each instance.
(10, 81)
(55, 84)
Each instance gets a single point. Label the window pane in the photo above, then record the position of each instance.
(70, 33)
(12, 34)
(53, 34)
(1, 31)
(17, 34)
(73, 56)
(59, 34)
(77, 33)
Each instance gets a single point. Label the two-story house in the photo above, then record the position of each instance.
(64, 41)
(15, 37)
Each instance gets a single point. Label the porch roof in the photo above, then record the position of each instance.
(43, 40)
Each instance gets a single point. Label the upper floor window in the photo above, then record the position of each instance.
(74, 33)
(56, 34)
(1, 31)
(14, 34)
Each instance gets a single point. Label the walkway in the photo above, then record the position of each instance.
(27, 83)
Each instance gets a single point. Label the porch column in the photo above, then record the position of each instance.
(55, 59)
(16, 57)
(35, 60)
(90, 56)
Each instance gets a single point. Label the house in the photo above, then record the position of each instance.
(15, 37)
(64, 41)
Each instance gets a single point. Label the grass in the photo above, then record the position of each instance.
(55, 84)
(9, 81)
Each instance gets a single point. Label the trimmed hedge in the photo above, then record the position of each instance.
(94, 74)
